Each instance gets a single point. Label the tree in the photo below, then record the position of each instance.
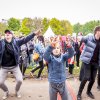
(89, 26)
(55, 25)
(45, 23)
(14, 24)
(62, 27)
(37, 23)
(3, 27)
(26, 26)
(77, 28)
(66, 27)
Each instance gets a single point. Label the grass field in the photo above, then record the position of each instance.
(45, 71)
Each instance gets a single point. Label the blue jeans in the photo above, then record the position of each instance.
(31, 61)
(55, 88)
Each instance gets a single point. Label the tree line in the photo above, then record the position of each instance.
(62, 27)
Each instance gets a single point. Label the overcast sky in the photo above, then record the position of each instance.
(72, 10)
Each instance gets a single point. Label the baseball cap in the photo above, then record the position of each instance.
(8, 31)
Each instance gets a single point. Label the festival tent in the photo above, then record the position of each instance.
(49, 33)
(74, 34)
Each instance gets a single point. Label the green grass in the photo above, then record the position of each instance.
(45, 71)
(76, 71)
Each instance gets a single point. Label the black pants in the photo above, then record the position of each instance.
(89, 74)
(41, 67)
(77, 59)
(67, 64)
(98, 76)
(23, 66)
(23, 69)
(71, 67)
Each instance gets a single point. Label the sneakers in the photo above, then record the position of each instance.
(66, 68)
(90, 95)
(6, 94)
(98, 87)
(24, 77)
(31, 74)
(79, 97)
(18, 95)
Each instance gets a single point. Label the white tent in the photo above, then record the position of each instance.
(74, 35)
(49, 33)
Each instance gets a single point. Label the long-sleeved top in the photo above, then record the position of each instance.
(16, 43)
(56, 68)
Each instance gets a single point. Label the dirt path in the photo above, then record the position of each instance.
(75, 86)
(38, 89)
(30, 90)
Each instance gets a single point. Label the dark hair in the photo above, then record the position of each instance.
(97, 28)
(41, 38)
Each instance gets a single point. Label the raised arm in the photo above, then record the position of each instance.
(69, 53)
(83, 38)
(27, 38)
(47, 53)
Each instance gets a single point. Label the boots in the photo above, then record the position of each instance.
(89, 93)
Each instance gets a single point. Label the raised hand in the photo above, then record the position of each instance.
(37, 32)
(53, 42)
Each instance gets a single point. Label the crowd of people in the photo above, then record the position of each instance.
(57, 54)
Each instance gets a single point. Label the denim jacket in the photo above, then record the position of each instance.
(39, 48)
(56, 68)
